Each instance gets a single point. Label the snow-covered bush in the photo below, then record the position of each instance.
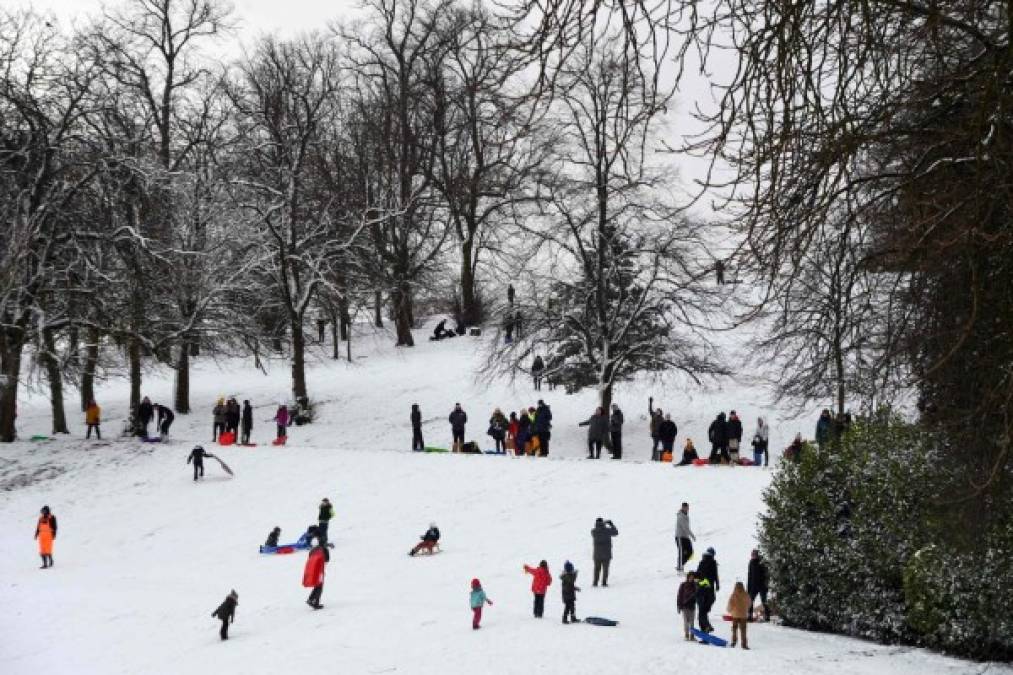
(860, 542)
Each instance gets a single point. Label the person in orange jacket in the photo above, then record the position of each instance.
(93, 418)
(45, 533)
(313, 573)
(541, 579)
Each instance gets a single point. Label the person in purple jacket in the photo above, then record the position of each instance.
(281, 419)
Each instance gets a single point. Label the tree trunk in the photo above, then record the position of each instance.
(134, 356)
(182, 399)
(469, 306)
(74, 346)
(10, 365)
(378, 309)
(401, 300)
(298, 360)
(335, 343)
(346, 318)
(52, 366)
(90, 364)
(605, 398)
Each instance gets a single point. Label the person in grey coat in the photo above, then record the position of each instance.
(684, 536)
(616, 432)
(602, 535)
(597, 431)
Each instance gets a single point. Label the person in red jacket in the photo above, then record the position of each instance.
(313, 574)
(541, 579)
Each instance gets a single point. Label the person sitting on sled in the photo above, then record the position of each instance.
(429, 540)
(272, 539)
(688, 453)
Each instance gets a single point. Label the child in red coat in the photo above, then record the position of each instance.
(541, 579)
(313, 574)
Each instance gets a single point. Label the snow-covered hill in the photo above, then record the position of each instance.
(144, 555)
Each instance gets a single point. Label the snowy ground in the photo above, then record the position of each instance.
(144, 555)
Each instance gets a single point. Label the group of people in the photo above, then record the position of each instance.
(725, 435)
(527, 432)
(146, 412)
(228, 418)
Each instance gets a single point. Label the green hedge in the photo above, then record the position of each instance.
(859, 542)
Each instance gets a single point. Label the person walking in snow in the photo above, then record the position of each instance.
(685, 602)
(704, 601)
(734, 437)
(667, 432)
(616, 431)
(689, 453)
(537, 368)
(540, 582)
(458, 418)
(93, 418)
(45, 533)
(144, 415)
(218, 419)
(247, 422)
(282, 419)
(568, 580)
(313, 573)
(498, 429)
(757, 583)
(597, 430)
(708, 569)
(718, 435)
(541, 426)
(601, 537)
(196, 458)
(418, 445)
(824, 427)
(477, 600)
(761, 440)
(324, 515)
(738, 608)
(227, 613)
(164, 419)
(656, 417)
(684, 536)
(429, 540)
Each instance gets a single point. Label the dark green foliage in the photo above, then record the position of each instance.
(859, 542)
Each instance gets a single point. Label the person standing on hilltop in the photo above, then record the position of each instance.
(537, 368)
(93, 418)
(45, 533)
(458, 419)
(616, 431)
(418, 444)
(247, 422)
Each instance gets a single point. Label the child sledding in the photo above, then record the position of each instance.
(430, 542)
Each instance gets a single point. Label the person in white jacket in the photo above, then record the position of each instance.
(684, 536)
(761, 437)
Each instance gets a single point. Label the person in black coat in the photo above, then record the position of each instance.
(227, 613)
(247, 422)
(757, 583)
(718, 435)
(536, 372)
(601, 536)
(667, 431)
(616, 431)
(196, 458)
(542, 427)
(570, 590)
(704, 601)
(708, 569)
(144, 414)
(429, 540)
(165, 418)
(272, 538)
(734, 433)
(458, 418)
(416, 417)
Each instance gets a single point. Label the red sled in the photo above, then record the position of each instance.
(745, 461)
(700, 462)
(280, 440)
(227, 438)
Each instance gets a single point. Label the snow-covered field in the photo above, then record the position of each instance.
(144, 555)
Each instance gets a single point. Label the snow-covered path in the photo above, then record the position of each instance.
(144, 555)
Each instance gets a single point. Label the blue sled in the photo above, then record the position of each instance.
(708, 638)
(599, 621)
(286, 548)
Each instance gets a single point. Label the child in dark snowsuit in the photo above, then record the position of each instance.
(272, 539)
(196, 458)
(570, 590)
(541, 579)
(477, 600)
(227, 613)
